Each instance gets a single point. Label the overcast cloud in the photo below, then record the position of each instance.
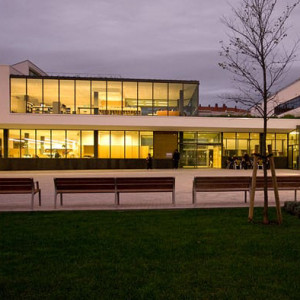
(168, 39)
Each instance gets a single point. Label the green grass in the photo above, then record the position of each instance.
(177, 254)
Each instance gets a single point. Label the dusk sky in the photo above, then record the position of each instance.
(160, 39)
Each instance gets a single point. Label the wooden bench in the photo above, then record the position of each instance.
(291, 183)
(221, 184)
(76, 185)
(144, 185)
(20, 186)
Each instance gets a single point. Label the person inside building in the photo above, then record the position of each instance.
(176, 158)
(149, 161)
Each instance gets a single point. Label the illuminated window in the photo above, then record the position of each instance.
(145, 101)
(1, 143)
(51, 103)
(83, 97)
(146, 143)
(59, 143)
(130, 98)
(190, 103)
(132, 144)
(28, 144)
(103, 144)
(99, 97)
(175, 105)
(66, 98)
(18, 95)
(160, 99)
(117, 144)
(114, 97)
(73, 144)
(87, 144)
(34, 96)
(43, 142)
(14, 143)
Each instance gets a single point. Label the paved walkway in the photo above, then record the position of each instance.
(184, 180)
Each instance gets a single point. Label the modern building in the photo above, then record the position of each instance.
(75, 122)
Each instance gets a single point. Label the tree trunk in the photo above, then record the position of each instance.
(264, 154)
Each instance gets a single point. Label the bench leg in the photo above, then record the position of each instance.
(61, 199)
(194, 197)
(55, 200)
(32, 200)
(173, 197)
(245, 196)
(40, 198)
(117, 198)
(295, 195)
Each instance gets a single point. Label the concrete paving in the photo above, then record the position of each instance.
(184, 179)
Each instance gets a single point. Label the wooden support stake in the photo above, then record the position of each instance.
(275, 186)
(253, 186)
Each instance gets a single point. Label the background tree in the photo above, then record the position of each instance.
(258, 58)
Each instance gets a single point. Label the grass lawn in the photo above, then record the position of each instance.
(163, 254)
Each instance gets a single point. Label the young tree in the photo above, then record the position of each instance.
(256, 55)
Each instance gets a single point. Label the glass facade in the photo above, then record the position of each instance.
(110, 97)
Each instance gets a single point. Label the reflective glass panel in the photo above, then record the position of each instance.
(208, 138)
(160, 99)
(66, 98)
(190, 102)
(83, 97)
(130, 99)
(59, 143)
(117, 144)
(43, 139)
(73, 144)
(146, 143)
(14, 143)
(28, 144)
(190, 137)
(132, 144)
(240, 135)
(87, 142)
(18, 95)
(175, 89)
(103, 144)
(34, 96)
(145, 102)
(114, 97)
(50, 96)
(99, 97)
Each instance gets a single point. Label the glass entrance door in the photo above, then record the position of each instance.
(293, 157)
(201, 156)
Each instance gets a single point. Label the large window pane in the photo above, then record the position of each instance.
(190, 103)
(58, 143)
(146, 143)
(66, 97)
(208, 138)
(28, 144)
(73, 143)
(34, 96)
(160, 99)
(145, 102)
(114, 97)
(130, 99)
(18, 95)
(43, 139)
(99, 97)
(175, 91)
(51, 103)
(87, 142)
(83, 96)
(14, 143)
(132, 144)
(103, 144)
(117, 144)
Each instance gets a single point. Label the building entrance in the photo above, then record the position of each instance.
(201, 156)
(293, 157)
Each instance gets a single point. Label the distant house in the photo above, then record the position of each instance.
(223, 110)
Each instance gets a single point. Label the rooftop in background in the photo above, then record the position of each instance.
(221, 110)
